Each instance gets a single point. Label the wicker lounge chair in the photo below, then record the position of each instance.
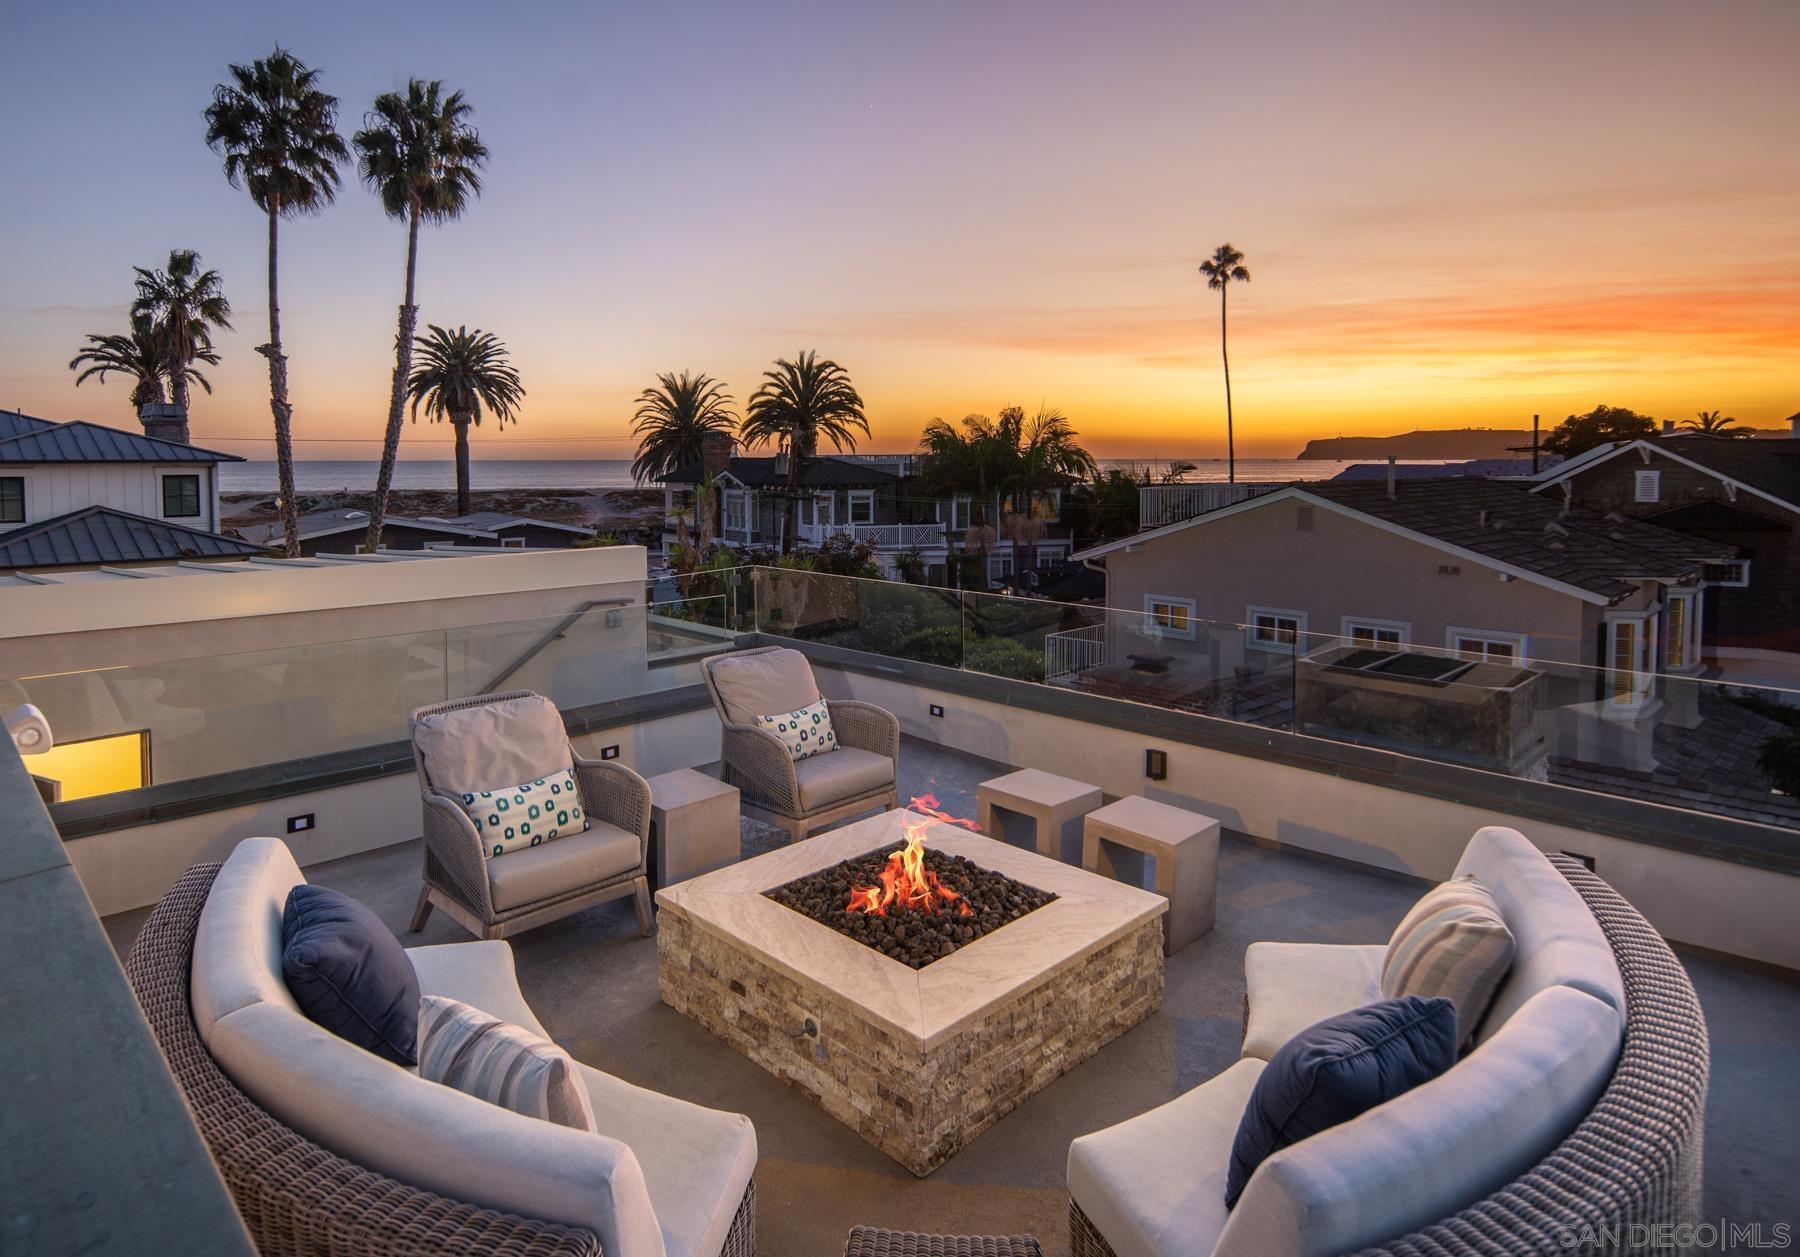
(1635, 1158)
(295, 1196)
(813, 793)
(498, 740)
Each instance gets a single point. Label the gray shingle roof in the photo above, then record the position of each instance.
(1603, 554)
(100, 534)
(12, 423)
(1771, 464)
(821, 472)
(344, 520)
(82, 442)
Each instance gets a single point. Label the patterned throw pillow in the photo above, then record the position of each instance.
(806, 732)
(524, 816)
(496, 1061)
(1453, 943)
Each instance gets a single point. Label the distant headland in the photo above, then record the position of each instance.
(1447, 443)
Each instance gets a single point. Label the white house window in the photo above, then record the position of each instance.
(1168, 617)
(1051, 554)
(1681, 632)
(1630, 647)
(737, 511)
(1486, 645)
(512, 543)
(862, 506)
(1000, 566)
(954, 511)
(12, 499)
(1363, 631)
(1649, 486)
(1274, 629)
(1731, 574)
(181, 497)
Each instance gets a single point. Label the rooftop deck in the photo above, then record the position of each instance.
(593, 982)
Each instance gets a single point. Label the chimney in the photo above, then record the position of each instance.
(1390, 476)
(1794, 425)
(716, 449)
(165, 421)
(1668, 427)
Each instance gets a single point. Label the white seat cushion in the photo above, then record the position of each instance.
(237, 946)
(1438, 1148)
(842, 774)
(1154, 1186)
(493, 746)
(1291, 986)
(697, 1162)
(477, 973)
(530, 874)
(1556, 939)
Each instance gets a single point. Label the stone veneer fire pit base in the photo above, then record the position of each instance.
(917, 1062)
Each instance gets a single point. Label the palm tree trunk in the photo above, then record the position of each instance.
(791, 509)
(1230, 443)
(278, 397)
(178, 382)
(403, 344)
(461, 424)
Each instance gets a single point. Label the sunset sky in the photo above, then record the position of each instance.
(1455, 214)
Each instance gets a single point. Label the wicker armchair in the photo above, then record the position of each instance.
(1634, 1159)
(805, 796)
(566, 876)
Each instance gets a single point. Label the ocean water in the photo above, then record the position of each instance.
(604, 473)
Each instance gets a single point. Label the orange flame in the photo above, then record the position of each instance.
(905, 880)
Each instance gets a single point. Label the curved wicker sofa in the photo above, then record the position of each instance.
(1635, 1158)
(296, 1197)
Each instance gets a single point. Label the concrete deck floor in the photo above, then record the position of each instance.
(592, 981)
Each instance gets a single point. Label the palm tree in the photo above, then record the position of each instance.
(278, 135)
(798, 402)
(140, 355)
(673, 421)
(1043, 455)
(458, 373)
(420, 155)
(184, 304)
(1709, 423)
(1223, 269)
(963, 460)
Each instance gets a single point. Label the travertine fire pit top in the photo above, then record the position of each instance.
(925, 1005)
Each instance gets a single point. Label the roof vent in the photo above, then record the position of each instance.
(1303, 519)
(356, 515)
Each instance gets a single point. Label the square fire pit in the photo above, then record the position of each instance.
(918, 1061)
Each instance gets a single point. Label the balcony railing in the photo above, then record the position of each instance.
(881, 536)
(1074, 651)
(1160, 504)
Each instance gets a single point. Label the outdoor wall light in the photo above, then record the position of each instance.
(1156, 765)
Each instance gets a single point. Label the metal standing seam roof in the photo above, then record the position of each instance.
(82, 442)
(497, 521)
(100, 534)
(13, 423)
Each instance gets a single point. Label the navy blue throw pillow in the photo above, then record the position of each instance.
(349, 973)
(1339, 1069)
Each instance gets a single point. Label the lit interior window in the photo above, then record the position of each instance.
(95, 766)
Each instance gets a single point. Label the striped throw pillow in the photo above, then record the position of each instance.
(496, 1061)
(1455, 944)
(806, 732)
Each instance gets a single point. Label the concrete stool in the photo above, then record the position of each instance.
(693, 826)
(1053, 803)
(1117, 838)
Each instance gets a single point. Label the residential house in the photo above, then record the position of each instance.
(80, 494)
(866, 497)
(1744, 494)
(342, 530)
(516, 532)
(1477, 570)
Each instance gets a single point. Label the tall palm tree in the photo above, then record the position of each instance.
(1709, 423)
(1222, 269)
(1043, 456)
(418, 152)
(139, 355)
(963, 460)
(458, 373)
(184, 304)
(799, 402)
(277, 132)
(673, 421)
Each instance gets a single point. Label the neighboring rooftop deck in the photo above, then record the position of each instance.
(593, 982)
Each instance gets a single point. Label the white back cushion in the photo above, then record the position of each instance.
(1556, 940)
(1440, 1147)
(237, 947)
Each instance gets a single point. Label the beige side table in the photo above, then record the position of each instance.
(1185, 845)
(693, 825)
(1053, 803)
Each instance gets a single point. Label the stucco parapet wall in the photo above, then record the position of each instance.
(1696, 833)
(196, 596)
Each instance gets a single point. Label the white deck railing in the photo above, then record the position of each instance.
(1160, 504)
(881, 536)
(1074, 650)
